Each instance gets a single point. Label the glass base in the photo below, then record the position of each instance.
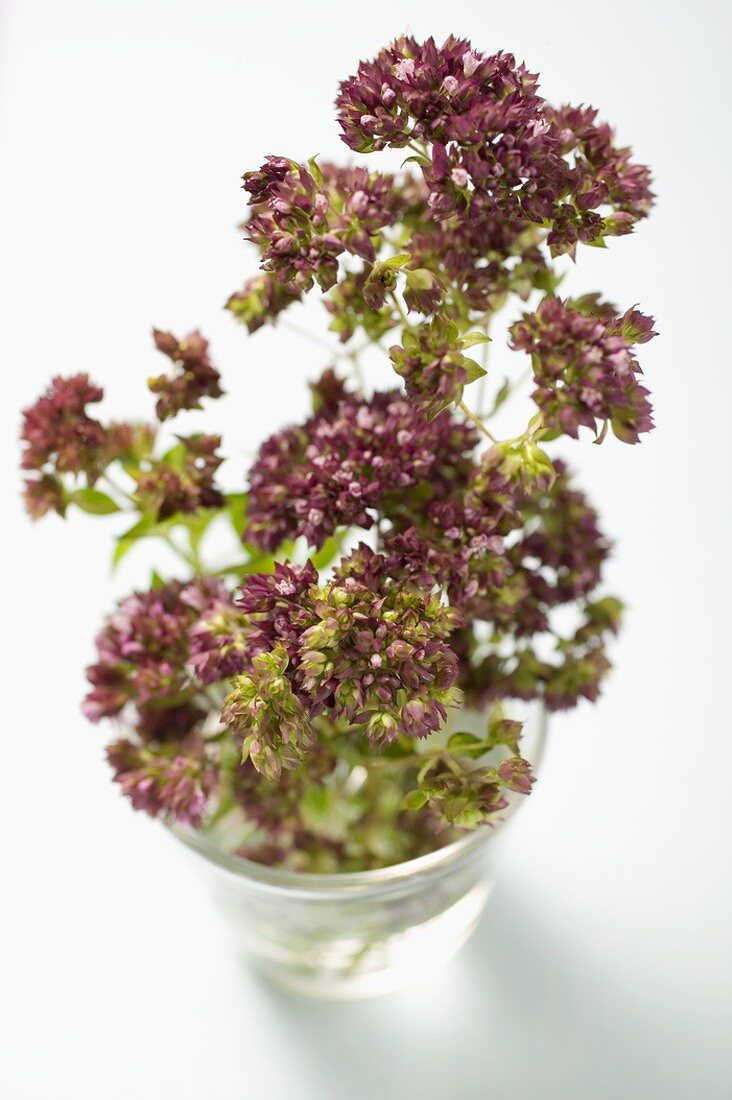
(358, 934)
(353, 969)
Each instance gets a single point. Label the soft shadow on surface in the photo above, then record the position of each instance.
(522, 1013)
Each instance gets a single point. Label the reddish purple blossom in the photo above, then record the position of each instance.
(175, 787)
(516, 774)
(482, 115)
(261, 300)
(304, 218)
(373, 655)
(42, 495)
(272, 604)
(144, 650)
(421, 90)
(184, 482)
(271, 717)
(423, 290)
(483, 260)
(494, 146)
(602, 173)
(354, 305)
(161, 725)
(378, 658)
(432, 364)
(58, 432)
(459, 550)
(584, 368)
(342, 464)
(561, 549)
(220, 643)
(129, 441)
(194, 379)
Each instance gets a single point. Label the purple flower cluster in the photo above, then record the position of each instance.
(432, 364)
(195, 377)
(344, 463)
(58, 433)
(373, 655)
(175, 787)
(556, 560)
(494, 145)
(304, 218)
(379, 658)
(261, 299)
(42, 495)
(602, 174)
(561, 549)
(220, 643)
(144, 651)
(457, 549)
(423, 91)
(348, 305)
(271, 717)
(483, 261)
(184, 481)
(584, 368)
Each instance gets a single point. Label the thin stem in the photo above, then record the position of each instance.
(400, 310)
(358, 373)
(480, 394)
(477, 421)
(420, 150)
(116, 488)
(179, 552)
(306, 335)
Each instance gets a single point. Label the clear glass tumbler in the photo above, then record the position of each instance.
(344, 936)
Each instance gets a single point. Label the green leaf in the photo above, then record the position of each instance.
(315, 170)
(129, 464)
(146, 527)
(236, 509)
(93, 501)
(397, 261)
(500, 397)
(328, 551)
(469, 818)
(263, 563)
(176, 457)
(417, 158)
(315, 804)
(466, 744)
(603, 432)
(414, 800)
(472, 338)
(473, 370)
(198, 523)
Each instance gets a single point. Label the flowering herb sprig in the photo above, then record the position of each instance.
(393, 558)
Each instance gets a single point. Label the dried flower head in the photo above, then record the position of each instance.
(171, 786)
(182, 481)
(342, 464)
(58, 433)
(432, 364)
(194, 379)
(584, 368)
(144, 650)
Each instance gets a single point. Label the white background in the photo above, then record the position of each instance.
(603, 967)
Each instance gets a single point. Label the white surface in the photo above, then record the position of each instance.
(603, 968)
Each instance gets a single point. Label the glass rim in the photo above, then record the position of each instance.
(315, 882)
